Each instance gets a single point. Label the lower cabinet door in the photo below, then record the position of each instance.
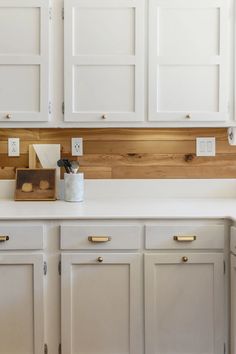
(184, 303)
(21, 304)
(233, 304)
(101, 307)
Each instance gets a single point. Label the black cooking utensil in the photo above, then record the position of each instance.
(63, 163)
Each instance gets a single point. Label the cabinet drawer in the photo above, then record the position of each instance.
(100, 237)
(184, 237)
(19, 237)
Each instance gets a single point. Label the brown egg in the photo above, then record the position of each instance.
(44, 185)
(27, 187)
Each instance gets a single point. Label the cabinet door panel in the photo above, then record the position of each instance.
(184, 304)
(180, 32)
(24, 36)
(92, 33)
(24, 60)
(91, 95)
(188, 60)
(21, 304)
(101, 304)
(104, 60)
(11, 78)
(176, 97)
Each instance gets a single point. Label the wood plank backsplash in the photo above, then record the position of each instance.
(129, 153)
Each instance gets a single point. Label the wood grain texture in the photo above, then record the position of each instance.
(129, 153)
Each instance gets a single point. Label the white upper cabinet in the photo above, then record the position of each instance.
(104, 66)
(188, 60)
(24, 60)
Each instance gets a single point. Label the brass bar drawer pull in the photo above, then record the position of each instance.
(4, 238)
(99, 239)
(185, 238)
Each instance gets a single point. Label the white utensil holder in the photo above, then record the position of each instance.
(74, 187)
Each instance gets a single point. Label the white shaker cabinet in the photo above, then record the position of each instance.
(233, 288)
(189, 60)
(184, 302)
(233, 303)
(21, 304)
(104, 60)
(101, 298)
(22, 291)
(101, 309)
(24, 60)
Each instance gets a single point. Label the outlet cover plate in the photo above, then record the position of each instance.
(77, 146)
(206, 146)
(13, 147)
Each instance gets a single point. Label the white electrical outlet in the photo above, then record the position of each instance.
(77, 146)
(13, 147)
(206, 147)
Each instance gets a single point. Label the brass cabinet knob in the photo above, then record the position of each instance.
(104, 116)
(188, 116)
(185, 259)
(9, 116)
(100, 259)
(4, 238)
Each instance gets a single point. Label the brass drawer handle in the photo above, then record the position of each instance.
(99, 239)
(4, 238)
(100, 259)
(185, 259)
(185, 238)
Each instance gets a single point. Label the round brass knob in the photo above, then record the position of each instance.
(185, 259)
(188, 116)
(104, 116)
(100, 259)
(8, 116)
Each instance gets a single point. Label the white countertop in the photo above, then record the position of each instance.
(131, 199)
(125, 208)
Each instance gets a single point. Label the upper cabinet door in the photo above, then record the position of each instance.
(188, 60)
(104, 66)
(24, 59)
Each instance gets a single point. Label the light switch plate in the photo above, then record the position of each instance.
(206, 146)
(13, 147)
(77, 146)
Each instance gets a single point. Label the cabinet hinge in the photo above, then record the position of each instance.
(50, 107)
(50, 13)
(63, 13)
(59, 349)
(59, 268)
(45, 349)
(63, 107)
(45, 268)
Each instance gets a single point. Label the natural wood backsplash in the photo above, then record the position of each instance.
(129, 153)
